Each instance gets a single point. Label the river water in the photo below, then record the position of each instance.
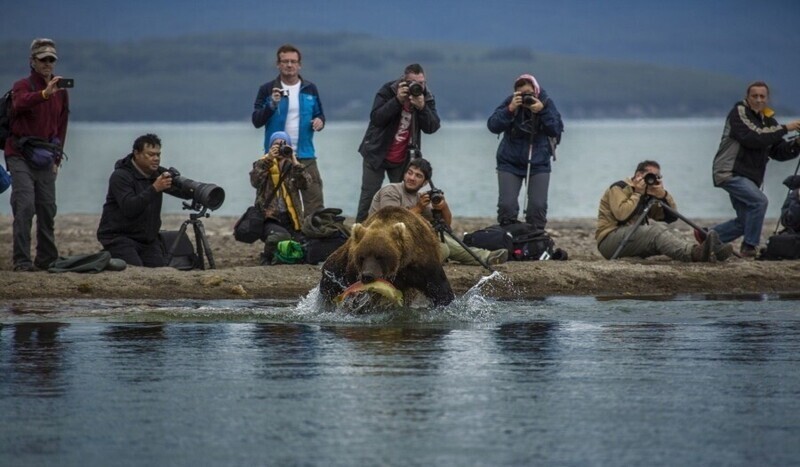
(568, 381)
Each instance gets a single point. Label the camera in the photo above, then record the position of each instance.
(651, 179)
(64, 83)
(205, 194)
(528, 99)
(415, 88)
(285, 150)
(436, 195)
(284, 92)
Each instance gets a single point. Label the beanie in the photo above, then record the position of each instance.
(280, 135)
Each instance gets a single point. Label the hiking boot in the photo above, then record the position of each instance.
(747, 251)
(704, 252)
(24, 267)
(497, 256)
(724, 252)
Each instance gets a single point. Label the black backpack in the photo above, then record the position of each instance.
(5, 118)
(184, 257)
(785, 245)
(523, 241)
(5, 115)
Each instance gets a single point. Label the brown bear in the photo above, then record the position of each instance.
(393, 244)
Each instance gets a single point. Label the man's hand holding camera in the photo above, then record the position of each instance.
(163, 182)
(278, 94)
(411, 91)
(649, 184)
(526, 100)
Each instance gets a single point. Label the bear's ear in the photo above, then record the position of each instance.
(399, 230)
(358, 232)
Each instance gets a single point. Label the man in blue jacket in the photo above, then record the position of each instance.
(531, 126)
(291, 104)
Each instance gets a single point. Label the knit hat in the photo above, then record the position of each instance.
(280, 135)
(526, 78)
(41, 48)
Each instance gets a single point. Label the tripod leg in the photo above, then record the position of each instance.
(468, 249)
(681, 217)
(201, 239)
(174, 245)
(636, 225)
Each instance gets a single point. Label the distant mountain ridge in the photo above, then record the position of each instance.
(215, 77)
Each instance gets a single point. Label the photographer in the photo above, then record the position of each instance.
(402, 109)
(751, 137)
(531, 127)
(278, 178)
(430, 205)
(292, 104)
(40, 110)
(620, 208)
(131, 216)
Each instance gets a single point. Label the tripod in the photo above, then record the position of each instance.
(200, 240)
(441, 228)
(649, 205)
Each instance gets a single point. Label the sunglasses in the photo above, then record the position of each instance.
(47, 60)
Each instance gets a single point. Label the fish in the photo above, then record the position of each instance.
(379, 286)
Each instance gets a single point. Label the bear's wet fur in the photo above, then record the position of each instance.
(394, 244)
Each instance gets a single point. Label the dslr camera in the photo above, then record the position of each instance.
(204, 194)
(415, 88)
(528, 99)
(285, 150)
(436, 195)
(651, 179)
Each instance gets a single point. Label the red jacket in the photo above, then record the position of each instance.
(36, 116)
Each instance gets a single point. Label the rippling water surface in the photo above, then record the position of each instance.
(575, 381)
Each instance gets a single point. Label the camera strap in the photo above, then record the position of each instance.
(277, 185)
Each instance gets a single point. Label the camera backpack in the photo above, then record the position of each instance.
(523, 242)
(183, 258)
(493, 237)
(785, 245)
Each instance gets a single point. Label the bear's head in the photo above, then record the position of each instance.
(379, 251)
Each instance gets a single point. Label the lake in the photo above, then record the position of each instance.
(560, 381)
(593, 155)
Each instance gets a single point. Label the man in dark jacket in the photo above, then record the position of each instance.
(131, 216)
(402, 109)
(40, 110)
(531, 124)
(750, 138)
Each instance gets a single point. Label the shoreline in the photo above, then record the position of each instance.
(238, 275)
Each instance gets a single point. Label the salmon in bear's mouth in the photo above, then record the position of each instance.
(379, 286)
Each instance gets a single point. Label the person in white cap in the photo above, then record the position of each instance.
(531, 126)
(40, 113)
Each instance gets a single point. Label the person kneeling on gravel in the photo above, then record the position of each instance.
(621, 207)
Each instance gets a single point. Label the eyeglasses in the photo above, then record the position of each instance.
(289, 62)
(47, 60)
